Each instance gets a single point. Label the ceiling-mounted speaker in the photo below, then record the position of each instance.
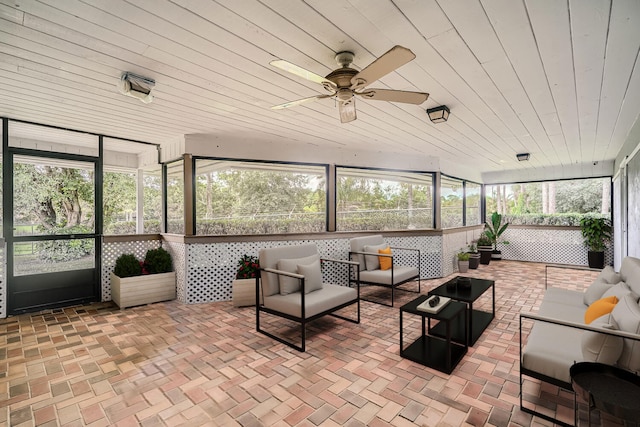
(136, 86)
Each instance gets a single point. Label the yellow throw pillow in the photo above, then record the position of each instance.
(600, 308)
(385, 262)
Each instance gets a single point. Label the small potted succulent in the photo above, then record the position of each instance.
(138, 282)
(463, 261)
(243, 288)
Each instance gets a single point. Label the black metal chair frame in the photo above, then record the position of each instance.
(303, 319)
(392, 285)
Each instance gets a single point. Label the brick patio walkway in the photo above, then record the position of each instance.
(174, 364)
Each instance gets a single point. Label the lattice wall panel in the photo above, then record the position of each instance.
(179, 259)
(212, 267)
(555, 246)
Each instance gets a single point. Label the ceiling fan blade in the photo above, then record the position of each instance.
(299, 101)
(394, 96)
(347, 111)
(395, 58)
(305, 74)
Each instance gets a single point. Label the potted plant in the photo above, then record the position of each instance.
(596, 232)
(463, 261)
(494, 230)
(135, 282)
(485, 248)
(243, 288)
(474, 256)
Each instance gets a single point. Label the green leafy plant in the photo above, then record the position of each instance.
(248, 267)
(596, 232)
(484, 240)
(494, 229)
(127, 265)
(472, 248)
(463, 256)
(157, 261)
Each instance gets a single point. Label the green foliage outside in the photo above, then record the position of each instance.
(550, 202)
(65, 250)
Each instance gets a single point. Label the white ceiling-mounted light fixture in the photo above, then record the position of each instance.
(136, 86)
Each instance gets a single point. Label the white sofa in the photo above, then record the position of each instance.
(559, 336)
(292, 288)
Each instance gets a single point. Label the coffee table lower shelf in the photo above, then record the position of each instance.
(432, 352)
(480, 321)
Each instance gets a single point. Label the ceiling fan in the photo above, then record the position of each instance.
(346, 82)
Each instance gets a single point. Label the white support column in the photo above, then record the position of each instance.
(140, 202)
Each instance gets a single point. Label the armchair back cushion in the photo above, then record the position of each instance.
(289, 285)
(373, 261)
(269, 258)
(357, 244)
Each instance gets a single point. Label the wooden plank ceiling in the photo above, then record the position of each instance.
(557, 78)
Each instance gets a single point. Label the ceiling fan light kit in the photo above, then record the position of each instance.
(438, 114)
(346, 82)
(523, 157)
(136, 86)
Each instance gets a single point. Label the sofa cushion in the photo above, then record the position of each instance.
(383, 277)
(563, 304)
(324, 299)
(552, 349)
(312, 276)
(627, 316)
(630, 273)
(618, 290)
(373, 261)
(599, 347)
(291, 284)
(595, 291)
(609, 275)
(385, 261)
(600, 308)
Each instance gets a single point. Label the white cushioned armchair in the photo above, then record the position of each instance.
(292, 288)
(364, 250)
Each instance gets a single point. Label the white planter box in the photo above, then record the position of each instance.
(243, 292)
(146, 289)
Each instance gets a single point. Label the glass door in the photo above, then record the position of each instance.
(52, 249)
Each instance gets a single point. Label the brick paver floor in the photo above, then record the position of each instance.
(172, 364)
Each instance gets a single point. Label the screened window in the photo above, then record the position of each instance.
(152, 200)
(451, 202)
(127, 208)
(119, 202)
(234, 197)
(175, 197)
(472, 193)
(550, 202)
(370, 199)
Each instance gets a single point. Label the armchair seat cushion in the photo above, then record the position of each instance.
(400, 274)
(316, 302)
